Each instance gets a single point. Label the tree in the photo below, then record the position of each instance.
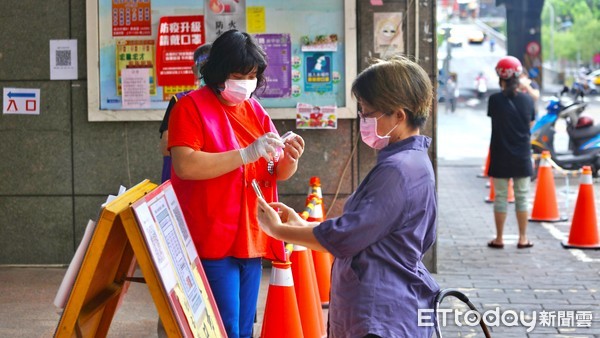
(577, 42)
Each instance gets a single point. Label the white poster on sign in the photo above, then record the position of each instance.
(21, 101)
(136, 88)
(388, 33)
(223, 15)
(63, 59)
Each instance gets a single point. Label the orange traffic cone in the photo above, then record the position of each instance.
(486, 167)
(322, 260)
(511, 192)
(545, 207)
(281, 318)
(316, 291)
(584, 227)
(305, 285)
(490, 198)
(510, 198)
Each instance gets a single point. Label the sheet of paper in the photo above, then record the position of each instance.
(63, 59)
(135, 88)
(64, 290)
(180, 261)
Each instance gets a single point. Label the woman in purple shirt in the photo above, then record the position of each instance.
(378, 281)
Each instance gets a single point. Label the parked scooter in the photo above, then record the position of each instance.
(584, 86)
(584, 136)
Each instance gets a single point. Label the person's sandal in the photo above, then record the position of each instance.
(525, 245)
(494, 245)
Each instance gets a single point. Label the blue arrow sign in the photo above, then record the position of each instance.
(11, 95)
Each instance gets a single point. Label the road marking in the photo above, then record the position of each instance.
(561, 236)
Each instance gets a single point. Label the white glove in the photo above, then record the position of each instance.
(265, 146)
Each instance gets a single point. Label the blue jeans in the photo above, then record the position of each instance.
(166, 169)
(234, 283)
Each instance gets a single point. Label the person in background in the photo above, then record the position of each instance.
(529, 86)
(378, 280)
(451, 92)
(481, 85)
(512, 113)
(221, 140)
(200, 57)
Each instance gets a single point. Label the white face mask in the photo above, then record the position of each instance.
(236, 91)
(368, 133)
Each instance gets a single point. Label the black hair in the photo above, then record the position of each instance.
(398, 82)
(510, 86)
(233, 52)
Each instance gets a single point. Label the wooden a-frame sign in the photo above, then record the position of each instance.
(186, 308)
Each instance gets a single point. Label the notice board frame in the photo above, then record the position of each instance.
(116, 245)
(95, 114)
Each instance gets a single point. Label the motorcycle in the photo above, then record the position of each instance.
(584, 136)
(584, 86)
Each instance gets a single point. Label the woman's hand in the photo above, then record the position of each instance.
(288, 215)
(268, 218)
(293, 229)
(294, 148)
(265, 147)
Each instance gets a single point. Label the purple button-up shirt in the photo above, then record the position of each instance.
(378, 281)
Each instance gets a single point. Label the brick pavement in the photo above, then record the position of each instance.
(543, 278)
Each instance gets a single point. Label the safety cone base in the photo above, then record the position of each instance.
(553, 220)
(566, 245)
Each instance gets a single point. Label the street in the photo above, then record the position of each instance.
(465, 134)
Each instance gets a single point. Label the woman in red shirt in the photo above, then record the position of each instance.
(221, 139)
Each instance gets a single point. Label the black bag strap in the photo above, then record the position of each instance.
(512, 104)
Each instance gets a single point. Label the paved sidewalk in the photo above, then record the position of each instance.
(543, 278)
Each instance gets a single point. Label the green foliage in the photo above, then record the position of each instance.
(440, 38)
(580, 40)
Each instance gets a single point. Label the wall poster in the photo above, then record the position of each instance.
(161, 36)
(388, 34)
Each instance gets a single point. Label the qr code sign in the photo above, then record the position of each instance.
(63, 57)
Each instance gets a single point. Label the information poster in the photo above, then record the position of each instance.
(318, 72)
(131, 17)
(279, 72)
(173, 252)
(315, 117)
(135, 54)
(178, 38)
(255, 19)
(163, 34)
(223, 15)
(135, 87)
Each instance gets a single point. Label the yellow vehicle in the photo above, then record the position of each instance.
(476, 36)
(595, 77)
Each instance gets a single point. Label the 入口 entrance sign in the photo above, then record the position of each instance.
(21, 101)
